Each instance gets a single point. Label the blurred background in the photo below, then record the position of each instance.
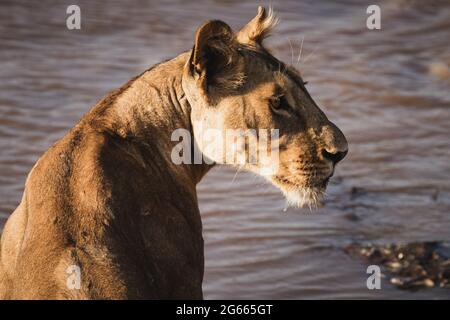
(388, 90)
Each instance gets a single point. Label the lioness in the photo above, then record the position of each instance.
(108, 199)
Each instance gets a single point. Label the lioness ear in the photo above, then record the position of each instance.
(258, 28)
(213, 53)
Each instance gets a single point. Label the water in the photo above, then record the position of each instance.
(387, 90)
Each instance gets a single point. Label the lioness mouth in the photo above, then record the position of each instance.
(298, 196)
(301, 197)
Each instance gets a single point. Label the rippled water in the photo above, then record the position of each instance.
(387, 90)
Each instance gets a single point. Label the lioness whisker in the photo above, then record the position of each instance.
(292, 51)
(310, 54)
(300, 53)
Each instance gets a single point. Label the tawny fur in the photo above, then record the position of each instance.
(107, 196)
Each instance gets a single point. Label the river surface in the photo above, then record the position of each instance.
(388, 90)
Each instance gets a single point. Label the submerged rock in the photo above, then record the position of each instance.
(409, 266)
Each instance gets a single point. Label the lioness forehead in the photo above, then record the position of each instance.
(264, 61)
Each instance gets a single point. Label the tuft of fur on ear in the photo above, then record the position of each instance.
(258, 28)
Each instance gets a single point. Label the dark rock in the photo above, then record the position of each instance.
(409, 266)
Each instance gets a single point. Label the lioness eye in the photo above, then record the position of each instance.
(275, 103)
(279, 105)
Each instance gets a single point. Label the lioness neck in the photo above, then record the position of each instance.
(147, 109)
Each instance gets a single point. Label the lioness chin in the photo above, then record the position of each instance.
(107, 199)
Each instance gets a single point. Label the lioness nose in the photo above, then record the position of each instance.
(335, 157)
(334, 144)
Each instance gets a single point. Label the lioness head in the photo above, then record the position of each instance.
(233, 83)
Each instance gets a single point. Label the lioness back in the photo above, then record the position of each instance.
(68, 217)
